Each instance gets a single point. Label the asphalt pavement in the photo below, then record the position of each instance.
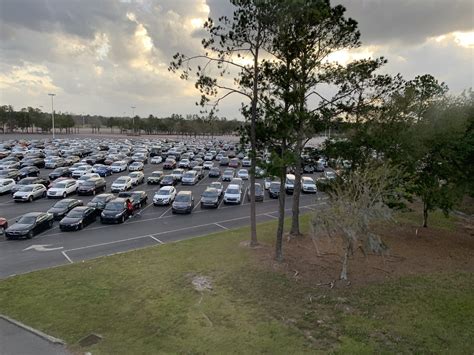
(152, 226)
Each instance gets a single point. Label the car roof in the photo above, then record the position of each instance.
(233, 186)
(32, 214)
(166, 187)
(185, 192)
(80, 208)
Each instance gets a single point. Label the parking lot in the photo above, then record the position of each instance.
(152, 225)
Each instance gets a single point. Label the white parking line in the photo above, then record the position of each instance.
(197, 204)
(67, 257)
(159, 241)
(161, 216)
(221, 226)
(271, 216)
(204, 178)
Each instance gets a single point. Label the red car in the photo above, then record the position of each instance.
(169, 164)
(234, 163)
(3, 224)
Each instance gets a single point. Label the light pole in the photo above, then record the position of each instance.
(133, 118)
(52, 110)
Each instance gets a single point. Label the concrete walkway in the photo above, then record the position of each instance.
(15, 340)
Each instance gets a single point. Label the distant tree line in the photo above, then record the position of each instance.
(33, 120)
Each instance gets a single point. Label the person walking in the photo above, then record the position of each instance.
(129, 208)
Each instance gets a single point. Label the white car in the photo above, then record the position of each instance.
(190, 178)
(63, 188)
(183, 163)
(164, 196)
(136, 166)
(119, 166)
(308, 185)
(137, 177)
(218, 186)
(289, 183)
(10, 165)
(246, 162)
(6, 185)
(233, 194)
(207, 165)
(82, 170)
(76, 166)
(268, 181)
(157, 159)
(330, 175)
(86, 177)
(177, 174)
(122, 183)
(208, 157)
(30, 192)
(243, 174)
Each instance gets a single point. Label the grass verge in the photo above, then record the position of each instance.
(143, 302)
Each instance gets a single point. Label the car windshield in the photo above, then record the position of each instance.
(60, 185)
(231, 173)
(217, 185)
(24, 182)
(188, 175)
(117, 164)
(27, 220)
(89, 183)
(232, 191)
(62, 204)
(167, 177)
(99, 199)
(275, 185)
(114, 206)
(183, 198)
(164, 192)
(156, 174)
(258, 189)
(75, 214)
(121, 180)
(26, 188)
(134, 175)
(330, 174)
(210, 194)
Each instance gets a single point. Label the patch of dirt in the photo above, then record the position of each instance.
(412, 251)
(202, 283)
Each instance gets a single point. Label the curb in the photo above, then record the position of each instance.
(36, 332)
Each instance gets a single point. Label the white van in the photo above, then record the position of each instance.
(289, 183)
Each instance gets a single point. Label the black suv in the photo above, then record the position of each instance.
(60, 172)
(92, 186)
(115, 211)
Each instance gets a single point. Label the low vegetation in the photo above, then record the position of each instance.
(213, 295)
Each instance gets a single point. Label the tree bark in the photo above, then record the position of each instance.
(253, 145)
(343, 275)
(295, 218)
(281, 209)
(425, 215)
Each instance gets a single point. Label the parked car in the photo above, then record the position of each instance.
(119, 166)
(214, 172)
(168, 180)
(6, 185)
(210, 198)
(183, 203)
(289, 184)
(63, 188)
(139, 198)
(243, 174)
(137, 177)
(87, 177)
(123, 183)
(268, 180)
(78, 218)
(29, 171)
(224, 161)
(99, 201)
(190, 178)
(183, 163)
(10, 174)
(308, 169)
(228, 174)
(177, 174)
(29, 181)
(164, 196)
(60, 172)
(274, 189)
(207, 165)
(155, 177)
(103, 170)
(246, 162)
(233, 194)
(53, 162)
(92, 186)
(259, 193)
(115, 211)
(169, 164)
(234, 163)
(219, 186)
(61, 208)
(29, 193)
(157, 159)
(136, 166)
(308, 185)
(82, 170)
(29, 225)
(200, 171)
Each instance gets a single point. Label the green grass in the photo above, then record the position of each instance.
(143, 302)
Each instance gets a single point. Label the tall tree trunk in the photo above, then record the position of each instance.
(425, 215)
(281, 209)
(253, 145)
(295, 218)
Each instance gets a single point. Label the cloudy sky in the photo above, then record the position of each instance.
(104, 56)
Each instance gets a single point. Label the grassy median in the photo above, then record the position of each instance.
(143, 302)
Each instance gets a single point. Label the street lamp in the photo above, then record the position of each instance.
(52, 111)
(133, 118)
